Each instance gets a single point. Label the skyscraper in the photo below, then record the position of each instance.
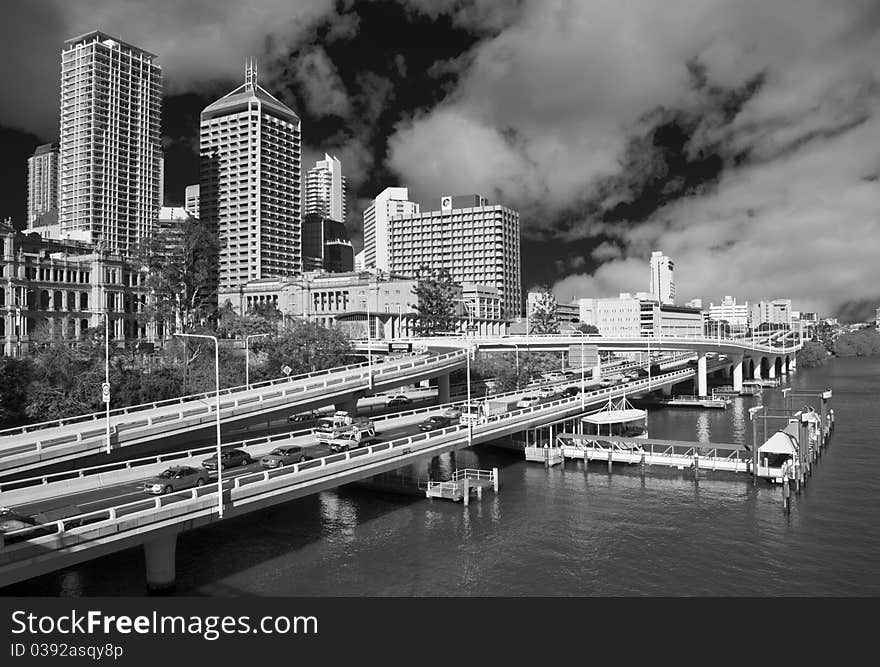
(391, 202)
(475, 241)
(250, 184)
(111, 94)
(662, 282)
(191, 200)
(325, 189)
(43, 186)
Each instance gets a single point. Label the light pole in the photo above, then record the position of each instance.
(217, 408)
(105, 390)
(366, 303)
(247, 359)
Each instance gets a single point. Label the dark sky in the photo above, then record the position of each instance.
(739, 138)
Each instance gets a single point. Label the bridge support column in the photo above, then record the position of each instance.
(350, 406)
(771, 369)
(666, 390)
(160, 557)
(792, 363)
(757, 374)
(443, 389)
(783, 366)
(702, 383)
(738, 375)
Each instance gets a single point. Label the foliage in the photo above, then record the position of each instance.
(862, 343)
(65, 382)
(181, 265)
(15, 375)
(544, 318)
(232, 325)
(301, 345)
(812, 354)
(436, 293)
(587, 328)
(503, 367)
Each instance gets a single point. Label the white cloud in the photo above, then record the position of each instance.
(323, 89)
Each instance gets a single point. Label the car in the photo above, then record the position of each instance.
(176, 478)
(568, 392)
(434, 422)
(555, 375)
(528, 401)
(397, 399)
(452, 413)
(282, 456)
(229, 459)
(304, 416)
(546, 392)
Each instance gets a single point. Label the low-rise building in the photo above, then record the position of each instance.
(638, 315)
(736, 315)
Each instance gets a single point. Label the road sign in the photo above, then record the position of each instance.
(287, 370)
(473, 328)
(105, 392)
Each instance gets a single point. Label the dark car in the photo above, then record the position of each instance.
(435, 422)
(229, 459)
(398, 399)
(282, 456)
(568, 392)
(176, 478)
(304, 416)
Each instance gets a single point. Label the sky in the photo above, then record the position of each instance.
(739, 137)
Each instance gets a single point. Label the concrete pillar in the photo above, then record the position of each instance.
(443, 388)
(349, 406)
(160, 555)
(596, 373)
(771, 369)
(738, 375)
(702, 384)
(783, 368)
(666, 390)
(757, 374)
(792, 364)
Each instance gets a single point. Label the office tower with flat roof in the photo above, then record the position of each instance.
(662, 281)
(325, 189)
(391, 202)
(250, 184)
(475, 241)
(191, 200)
(111, 95)
(43, 186)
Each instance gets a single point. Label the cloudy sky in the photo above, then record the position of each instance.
(740, 137)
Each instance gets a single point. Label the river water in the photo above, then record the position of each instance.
(560, 531)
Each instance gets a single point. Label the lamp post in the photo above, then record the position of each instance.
(105, 390)
(217, 408)
(366, 302)
(247, 359)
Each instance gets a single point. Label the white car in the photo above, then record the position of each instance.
(528, 401)
(546, 392)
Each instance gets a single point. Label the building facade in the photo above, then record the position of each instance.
(110, 149)
(738, 316)
(640, 315)
(476, 242)
(43, 186)
(326, 246)
(776, 312)
(249, 186)
(325, 189)
(662, 284)
(191, 200)
(54, 290)
(390, 203)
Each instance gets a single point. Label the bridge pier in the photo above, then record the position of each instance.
(160, 555)
(702, 383)
(771, 369)
(443, 395)
(666, 390)
(757, 374)
(738, 375)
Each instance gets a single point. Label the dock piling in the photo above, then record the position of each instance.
(495, 479)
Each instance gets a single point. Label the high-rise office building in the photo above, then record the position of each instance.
(325, 245)
(475, 241)
(662, 281)
(391, 202)
(43, 186)
(325, 189)
(110, 152)
(191, 200)
(250, 184)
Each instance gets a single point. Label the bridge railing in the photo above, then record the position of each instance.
(385, 372)
(404, 445)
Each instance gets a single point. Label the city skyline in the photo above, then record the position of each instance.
(696, 169)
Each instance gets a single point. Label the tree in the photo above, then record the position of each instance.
(181, 265)
(15, 375)
(302, 346)
(544, 318)
(587, 328)
(862, 343)
(436, 293)
(812, 354)
(232, 325)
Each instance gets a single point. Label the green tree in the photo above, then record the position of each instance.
(812, 354)
(862, 343)
(587, 328)
(544, 316)
(65, 382)
(232, 325)
(15, 375)
(303, 347)
(436, 293)
(181, 264)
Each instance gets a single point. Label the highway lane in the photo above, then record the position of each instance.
(87, 501)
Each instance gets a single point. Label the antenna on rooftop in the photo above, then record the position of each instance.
(250, 72)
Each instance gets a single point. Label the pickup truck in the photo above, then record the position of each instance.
(341, 422)
(352, 439)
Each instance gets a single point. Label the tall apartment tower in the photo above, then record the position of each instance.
(662, 282)
(111, 93)
(250, 184)
(325, 189)
(475, 241)
(191, 200)
(43, 186)
(391, 202)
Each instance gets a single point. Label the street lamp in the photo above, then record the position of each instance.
(105, 390)
(247, 359)
(366, 302)
(217, 380)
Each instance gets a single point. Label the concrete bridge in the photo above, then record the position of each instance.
(38, 445)
(155, 522)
